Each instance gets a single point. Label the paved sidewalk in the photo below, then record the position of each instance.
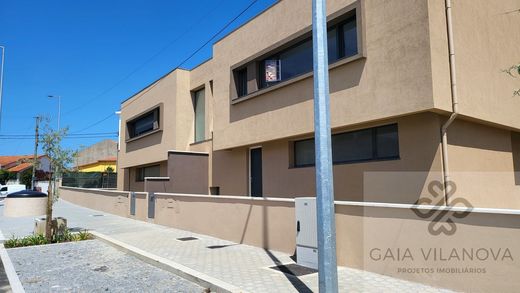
(243, 266)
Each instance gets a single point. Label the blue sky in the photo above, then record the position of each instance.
(94, 54)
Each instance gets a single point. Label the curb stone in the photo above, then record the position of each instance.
(215, 285)
(12, 276)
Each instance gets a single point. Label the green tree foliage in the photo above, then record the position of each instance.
(26, 177)
(6, 176)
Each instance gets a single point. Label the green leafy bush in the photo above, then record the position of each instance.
(39, 239)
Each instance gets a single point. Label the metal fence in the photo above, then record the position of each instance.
(90, 180)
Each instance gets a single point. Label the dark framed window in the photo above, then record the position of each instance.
(241, 82)
(199, 108)
(143, 124)
(149, 171)
(297, 59)
(377, 143)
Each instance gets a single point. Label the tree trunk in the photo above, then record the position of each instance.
(48, 218)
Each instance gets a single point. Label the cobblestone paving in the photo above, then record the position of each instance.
(240, 265)
(91, 266)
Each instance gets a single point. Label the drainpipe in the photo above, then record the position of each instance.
(454, 100)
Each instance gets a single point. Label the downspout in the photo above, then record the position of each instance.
(454, 100)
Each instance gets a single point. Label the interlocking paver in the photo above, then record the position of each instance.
(240, 265)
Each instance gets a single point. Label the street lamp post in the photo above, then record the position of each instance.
(327, 267)
(59, 117)
(59, 108)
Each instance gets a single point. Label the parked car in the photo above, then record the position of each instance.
(8, 189)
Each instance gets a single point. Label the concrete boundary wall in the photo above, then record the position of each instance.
(262, 222)
(109, 201)
(361, 227)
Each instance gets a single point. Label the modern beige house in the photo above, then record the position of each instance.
(241, 123)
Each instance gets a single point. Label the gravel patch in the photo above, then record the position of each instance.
(91, 266)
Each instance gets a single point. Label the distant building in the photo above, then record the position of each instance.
(98, 157)
(100, 166)
(17, 165)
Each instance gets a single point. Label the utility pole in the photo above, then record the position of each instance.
(327, 267)
(35, 160)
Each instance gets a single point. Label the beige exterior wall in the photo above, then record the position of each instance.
(172, 95)
(113, 202)
(367, 228)
(486, 42)
(258, 222)
(482, 161)
(187, 172)
(419, 151)
(391, 76)
(486, 37)
(130, 182)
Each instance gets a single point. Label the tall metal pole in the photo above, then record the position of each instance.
(328, 274)
(1, 83)
(56, 171)
(59, 108)
(35, 160)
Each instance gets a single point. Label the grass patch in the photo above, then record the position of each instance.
(39, 239)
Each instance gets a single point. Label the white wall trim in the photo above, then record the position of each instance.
(338, 202)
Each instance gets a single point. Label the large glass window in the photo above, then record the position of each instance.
(150, 171)
(350, 44)
(352, 146)
(144, 124)
(378, 143)
(199, 106)
(298, 59)
(304, 153)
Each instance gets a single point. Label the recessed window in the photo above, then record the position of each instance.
(150, 171)
(241, 82)
(143, 124)
(378, 143)
(304, 153)
(297, 59)
(199, 107)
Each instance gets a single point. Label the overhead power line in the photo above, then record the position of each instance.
(68, 135)
(195, 52)
(95, 123)
(142, 65)
(179, 65)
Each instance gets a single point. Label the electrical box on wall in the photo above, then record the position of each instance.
(306, 232)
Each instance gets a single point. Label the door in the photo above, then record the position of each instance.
(255, 172)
